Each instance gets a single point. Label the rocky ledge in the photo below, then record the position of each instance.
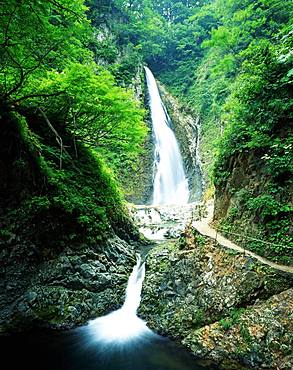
(64, 290)
(224, 306)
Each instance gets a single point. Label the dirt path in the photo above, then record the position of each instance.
(204, 228)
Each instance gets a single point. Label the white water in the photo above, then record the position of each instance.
(170, 183)
(170, 187)
(123, 325)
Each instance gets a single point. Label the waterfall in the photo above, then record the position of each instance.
(170, 182)
(134, 287)
(123, 325)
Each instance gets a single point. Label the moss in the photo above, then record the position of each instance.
(48, 314)
(48, 207)
(198, 318)
(245, 334)
(231, 320)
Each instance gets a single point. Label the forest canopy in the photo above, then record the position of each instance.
(47, 63)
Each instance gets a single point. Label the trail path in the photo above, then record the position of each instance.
(204, 228)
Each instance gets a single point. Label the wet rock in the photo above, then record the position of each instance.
(88, 271)
(223, 307)
(67, 290)
(31, 296)
(164, 222)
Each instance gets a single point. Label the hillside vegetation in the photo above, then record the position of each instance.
(64, 123)
(230, 62)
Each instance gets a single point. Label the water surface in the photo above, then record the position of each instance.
(117, 341)
(74, 351)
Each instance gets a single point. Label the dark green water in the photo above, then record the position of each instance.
(72, 350)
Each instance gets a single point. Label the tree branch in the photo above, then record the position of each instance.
(22, 76)
(58, 5)
(74, 136)
(58, 137)
(23, 73)
(37, 96)
(59, 141)
(6, 37)
(36, 14)
(40, 60)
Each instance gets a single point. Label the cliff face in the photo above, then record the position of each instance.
(62, 262)
(224, 306)
(64, 290)
(244, 172)
(251, 202)
(137, 180)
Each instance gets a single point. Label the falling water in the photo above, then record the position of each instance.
(120, 340)
(123, 325)
(170, 183)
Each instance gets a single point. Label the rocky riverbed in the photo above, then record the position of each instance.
(160, 222)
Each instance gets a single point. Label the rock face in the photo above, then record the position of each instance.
(61, 263)
(138, 183)
(244, 172)
(251, 201)
(223, 306)
(63, 291)
(260, 337)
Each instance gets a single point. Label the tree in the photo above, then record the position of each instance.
(37, 36)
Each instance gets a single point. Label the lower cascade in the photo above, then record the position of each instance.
(117, 341)
(123, 325)
(170, 182)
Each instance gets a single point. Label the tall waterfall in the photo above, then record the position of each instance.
(170, 183)
(123, 325)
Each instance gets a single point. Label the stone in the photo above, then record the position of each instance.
(31, 296)
(212, 307)
(87, 270)
(67, 290)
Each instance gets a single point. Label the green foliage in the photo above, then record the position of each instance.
(266, 205)
(106, 50)
(38, 204)
(231, 63)
(198, 318)
(127, 67)
(242, 92)
(226, 324)
(199, 240)
(232, 319)
(48, 65)
(245, 333)
(37, 36)
(98, 112)
(68, 205)
(80, 122)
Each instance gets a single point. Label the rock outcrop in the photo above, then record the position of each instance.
(251, 201)
(222, 305)
(63, 260)
(65, 290)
